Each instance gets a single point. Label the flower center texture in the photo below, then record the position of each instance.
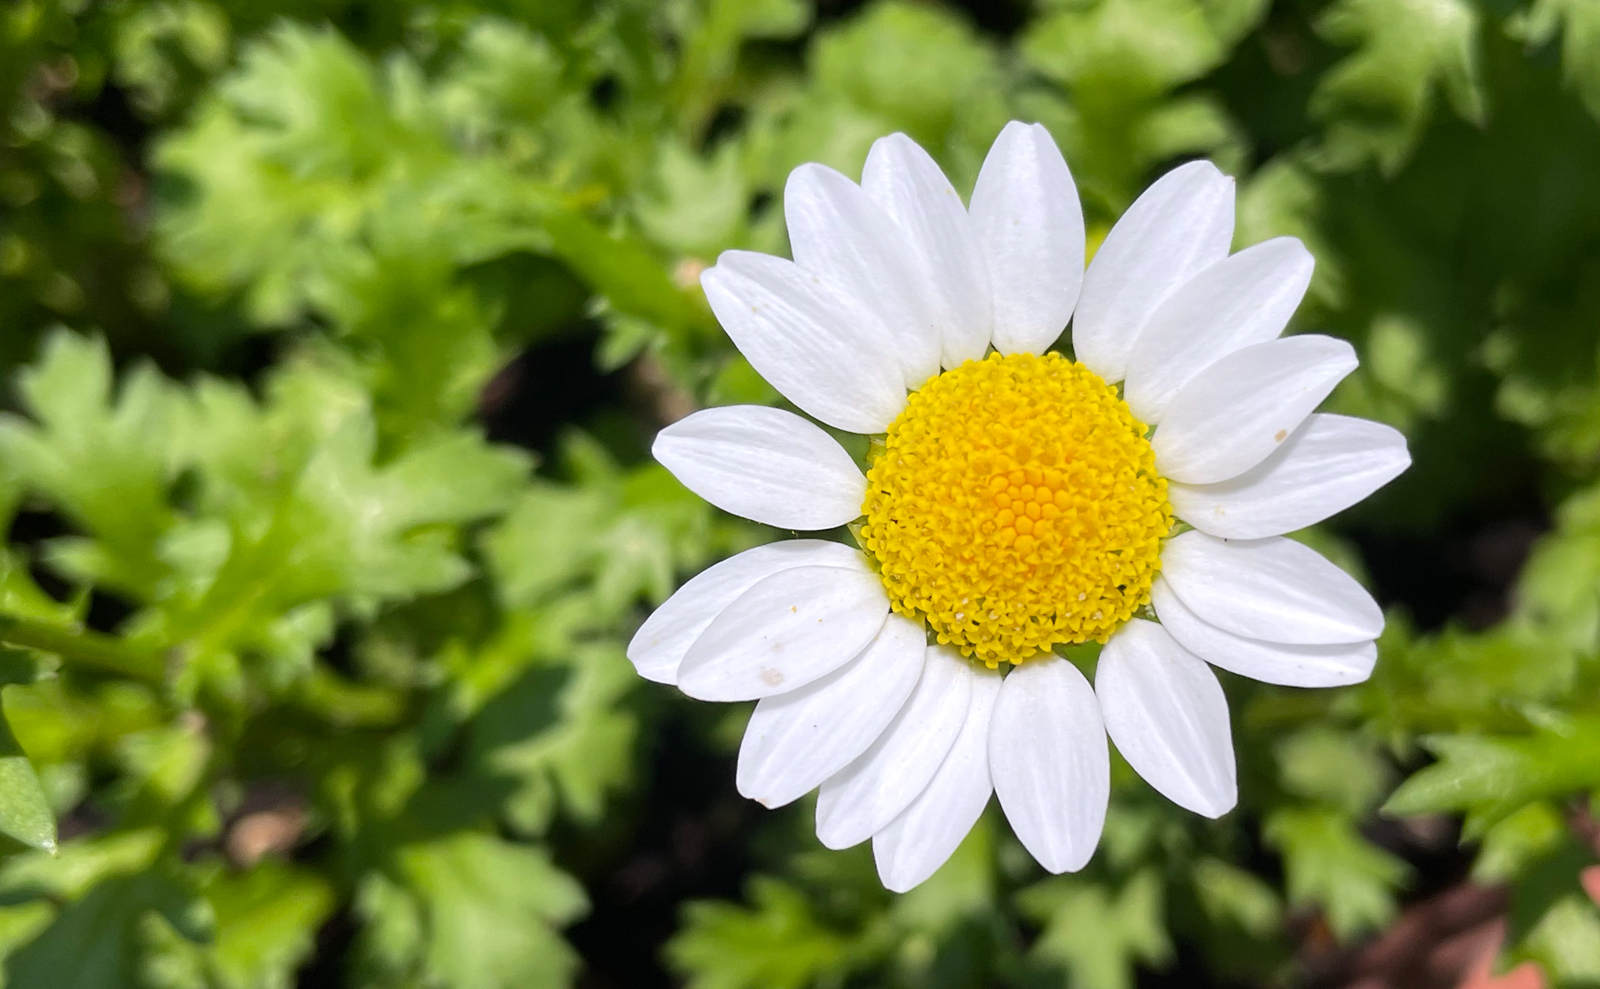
(1015, 506)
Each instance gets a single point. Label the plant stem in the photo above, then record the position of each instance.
(83, 646)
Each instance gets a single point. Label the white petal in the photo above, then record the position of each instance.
(1244, 299)
(1169, 718)
(838, 234)
(764, 464)
(1235, 413)
(1182, 223)
(834, 361)
(789, 629)
(1030, 226)
(1269, 662)
(796, 740)
(1048, 757)
(1274, 589)
(872, 791)
(1328, 464)
(940, 241)
(927, 833)
(658, 647)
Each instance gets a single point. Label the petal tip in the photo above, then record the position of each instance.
(896, 878)
(1216, 808)
(832, 840)
(1066, 862)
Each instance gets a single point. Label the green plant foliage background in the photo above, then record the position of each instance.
(335, 332)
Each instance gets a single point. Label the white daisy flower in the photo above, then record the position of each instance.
(1018, 501)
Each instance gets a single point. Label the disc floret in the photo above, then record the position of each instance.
(1015, 506)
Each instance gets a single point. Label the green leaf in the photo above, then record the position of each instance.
(628, 533)
(1578, 22)
(25, 812)
(307, 514)
(485, 910)
(1335, 767)
(390, 946)
(21, 596)
(298, 509)
(1329, 864)
(696, 205)
(1233, 19)
(1566, 942)
(1096, 934)
(774, 944)
(56, 725)
(79, 865)
(161, 48)
(1492, 777)
(1131, 49)
(546, 540)
(1230, 894)
(161, 769)
(1397, 347)
(1456, 681)
(1559, 588)
(621, 269)
(1552, 919)
(104, 459)
(1119, 62)
(396, 298)
(1186, 125)
(23, 922)
(576, 741)
(383, 187)
(506, 77)
(905, 66)
(95, 940)
(1511, 845)
(1377, 101)
(267, 920)
(713, 40)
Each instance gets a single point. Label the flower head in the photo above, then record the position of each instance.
(1019, 501)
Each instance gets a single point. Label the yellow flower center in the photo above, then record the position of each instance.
(1015, 506)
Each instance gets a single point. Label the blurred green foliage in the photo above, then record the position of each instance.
(307, 679)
